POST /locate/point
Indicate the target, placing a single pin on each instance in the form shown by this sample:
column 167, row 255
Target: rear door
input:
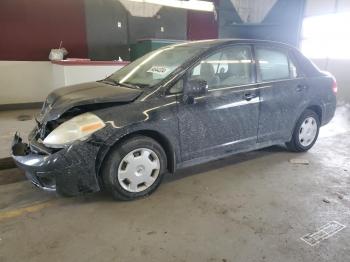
column 283, row 92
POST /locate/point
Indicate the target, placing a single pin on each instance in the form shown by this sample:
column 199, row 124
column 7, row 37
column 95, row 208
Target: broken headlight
column 77, row 128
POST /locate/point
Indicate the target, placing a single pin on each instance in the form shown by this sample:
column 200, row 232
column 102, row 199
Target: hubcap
column 308, row 131
column 138, row 170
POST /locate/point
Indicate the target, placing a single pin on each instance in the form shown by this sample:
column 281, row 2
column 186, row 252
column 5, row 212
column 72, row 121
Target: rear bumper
column 328, row 112
column 69, row 171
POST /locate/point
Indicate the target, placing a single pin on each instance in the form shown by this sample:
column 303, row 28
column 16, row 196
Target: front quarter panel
column 158, row 115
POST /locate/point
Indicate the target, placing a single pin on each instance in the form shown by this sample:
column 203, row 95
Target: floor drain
column 24, row 117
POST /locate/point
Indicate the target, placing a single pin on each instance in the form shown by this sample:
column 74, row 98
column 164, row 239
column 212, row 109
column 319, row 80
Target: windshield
column 152, row 68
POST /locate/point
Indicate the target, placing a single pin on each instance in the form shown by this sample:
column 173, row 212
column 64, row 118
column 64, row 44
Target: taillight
column 334, row 86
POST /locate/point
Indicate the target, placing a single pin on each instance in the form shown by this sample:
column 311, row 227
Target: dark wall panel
column 29, row 29
column 106, row 40
column 287, row 16
column 172, row 20
column 201, row 25
column 228, row 17
column 282, row 23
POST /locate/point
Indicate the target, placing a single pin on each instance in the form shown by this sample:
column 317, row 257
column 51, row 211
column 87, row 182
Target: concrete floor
column 249, row 207
column 21, row 121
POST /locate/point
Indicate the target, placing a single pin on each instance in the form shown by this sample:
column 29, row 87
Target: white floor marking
column 323, row 233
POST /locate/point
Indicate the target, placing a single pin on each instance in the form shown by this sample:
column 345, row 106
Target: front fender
column 157, row 119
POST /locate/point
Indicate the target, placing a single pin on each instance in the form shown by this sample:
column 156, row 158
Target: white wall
column 29, row 82
column 322, row 7
column 24, row 82
column 71, row 75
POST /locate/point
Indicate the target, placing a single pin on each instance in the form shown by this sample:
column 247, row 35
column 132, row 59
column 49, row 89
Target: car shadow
column 103, row 196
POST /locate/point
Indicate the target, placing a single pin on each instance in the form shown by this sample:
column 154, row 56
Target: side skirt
column 202, row 160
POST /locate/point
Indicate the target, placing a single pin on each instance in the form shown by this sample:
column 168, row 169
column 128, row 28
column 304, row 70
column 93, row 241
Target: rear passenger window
column 274, row 65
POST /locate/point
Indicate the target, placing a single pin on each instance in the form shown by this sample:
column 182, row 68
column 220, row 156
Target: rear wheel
column 305, row 132
column 134, row 168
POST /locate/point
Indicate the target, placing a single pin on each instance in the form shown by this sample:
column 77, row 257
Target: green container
column 144, row 46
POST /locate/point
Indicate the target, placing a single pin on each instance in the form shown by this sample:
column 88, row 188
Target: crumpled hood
column 65, row 98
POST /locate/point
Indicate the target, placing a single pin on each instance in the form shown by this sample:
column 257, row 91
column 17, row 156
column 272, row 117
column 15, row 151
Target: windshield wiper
column 110, row 80
column 128, row 85
column 141, row 85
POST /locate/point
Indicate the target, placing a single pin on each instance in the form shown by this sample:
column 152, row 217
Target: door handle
column 301, row 87
column 249, row 96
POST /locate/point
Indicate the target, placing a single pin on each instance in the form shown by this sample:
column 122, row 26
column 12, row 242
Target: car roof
column 222, row 42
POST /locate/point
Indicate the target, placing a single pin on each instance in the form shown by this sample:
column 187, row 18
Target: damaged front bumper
column 69, row 171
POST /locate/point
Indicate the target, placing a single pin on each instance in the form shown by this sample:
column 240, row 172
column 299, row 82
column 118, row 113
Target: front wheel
column 134, row 168
column 305, row 132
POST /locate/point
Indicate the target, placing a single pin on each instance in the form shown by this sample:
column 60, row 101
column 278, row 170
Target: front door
column 226, row 118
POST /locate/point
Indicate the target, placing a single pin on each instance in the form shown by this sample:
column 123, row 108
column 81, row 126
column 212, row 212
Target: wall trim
column 21, row 106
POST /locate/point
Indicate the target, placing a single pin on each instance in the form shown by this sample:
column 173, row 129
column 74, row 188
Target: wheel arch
column 157, row 136
column 291, row 143
column 314, row 107
column 317, row 109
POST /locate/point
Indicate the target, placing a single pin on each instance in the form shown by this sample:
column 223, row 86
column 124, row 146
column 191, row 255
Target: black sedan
column 177, row 106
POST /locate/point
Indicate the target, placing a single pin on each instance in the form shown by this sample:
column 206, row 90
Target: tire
column 126, row 166
column 299, row 143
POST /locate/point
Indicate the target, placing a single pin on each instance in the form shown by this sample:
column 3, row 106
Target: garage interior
column 254, row 206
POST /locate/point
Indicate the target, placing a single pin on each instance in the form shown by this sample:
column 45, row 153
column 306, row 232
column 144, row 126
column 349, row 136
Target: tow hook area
column 19, row 148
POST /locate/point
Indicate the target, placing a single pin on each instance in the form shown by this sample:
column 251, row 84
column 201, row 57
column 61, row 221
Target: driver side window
column 230, row 66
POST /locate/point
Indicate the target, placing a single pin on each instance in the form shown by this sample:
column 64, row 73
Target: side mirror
column 194, row 88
